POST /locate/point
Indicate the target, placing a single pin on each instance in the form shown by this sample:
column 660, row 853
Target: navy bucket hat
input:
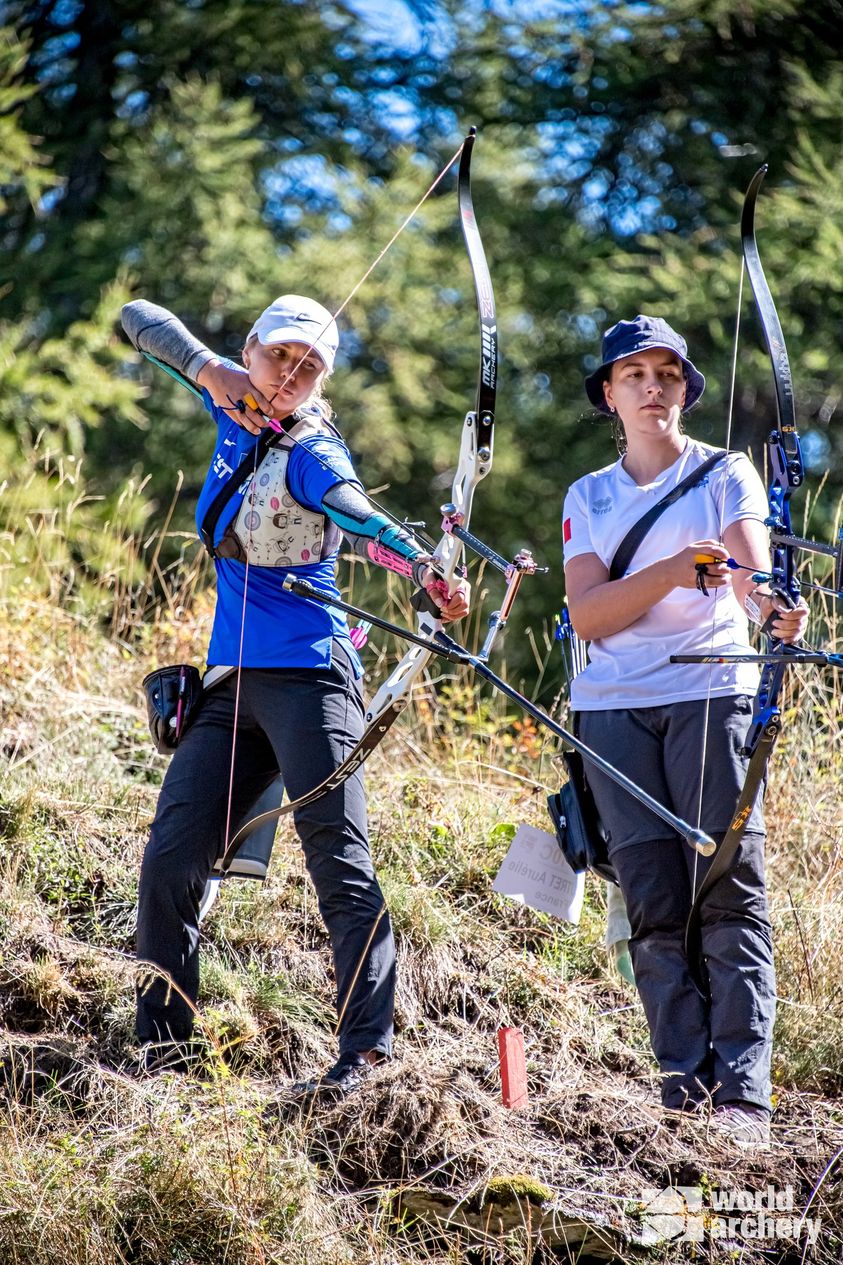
column 628, row 337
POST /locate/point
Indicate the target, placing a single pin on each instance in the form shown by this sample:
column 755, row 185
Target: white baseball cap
column 292, row 318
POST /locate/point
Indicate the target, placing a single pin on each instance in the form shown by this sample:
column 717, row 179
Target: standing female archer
column 292, row 699
column 678, row 729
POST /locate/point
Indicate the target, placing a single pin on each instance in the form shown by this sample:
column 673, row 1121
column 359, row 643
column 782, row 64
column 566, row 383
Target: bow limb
column 770, row 323
column 785, row 462
column 784, row 450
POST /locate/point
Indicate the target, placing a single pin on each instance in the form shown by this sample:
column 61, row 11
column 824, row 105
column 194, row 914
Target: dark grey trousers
column 718, row 1045
column 303, row 721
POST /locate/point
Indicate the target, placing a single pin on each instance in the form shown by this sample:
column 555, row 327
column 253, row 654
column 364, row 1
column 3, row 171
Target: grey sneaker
column 743, row 1122
column 350, row 1071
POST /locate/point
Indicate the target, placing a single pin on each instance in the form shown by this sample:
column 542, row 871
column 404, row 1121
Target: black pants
column 721, row 1044
column 303, row 721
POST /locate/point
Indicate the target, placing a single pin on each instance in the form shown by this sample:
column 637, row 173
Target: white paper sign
column 535, row 872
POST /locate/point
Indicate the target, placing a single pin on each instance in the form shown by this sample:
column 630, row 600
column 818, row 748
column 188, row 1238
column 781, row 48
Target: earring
column 611, row 408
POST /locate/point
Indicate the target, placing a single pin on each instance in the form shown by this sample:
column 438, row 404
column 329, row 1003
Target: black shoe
column 350, row 1071
column 170, row 1056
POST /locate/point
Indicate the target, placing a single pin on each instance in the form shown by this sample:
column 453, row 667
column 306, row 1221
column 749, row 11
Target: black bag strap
column 631, row 542
column 267, row 439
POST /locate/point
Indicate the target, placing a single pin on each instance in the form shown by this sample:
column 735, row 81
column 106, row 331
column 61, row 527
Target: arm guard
column 372, row 535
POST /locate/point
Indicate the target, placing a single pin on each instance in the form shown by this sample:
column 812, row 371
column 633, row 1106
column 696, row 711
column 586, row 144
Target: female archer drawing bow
column 292, row 699
column 310, row 494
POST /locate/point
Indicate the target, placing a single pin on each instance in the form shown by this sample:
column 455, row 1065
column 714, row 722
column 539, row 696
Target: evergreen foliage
column 209, row 156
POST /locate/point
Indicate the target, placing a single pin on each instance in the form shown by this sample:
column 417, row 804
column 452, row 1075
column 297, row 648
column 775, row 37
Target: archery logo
column 681, row 1214
column 741, row 818
column 674, row 1215
column 489, row 351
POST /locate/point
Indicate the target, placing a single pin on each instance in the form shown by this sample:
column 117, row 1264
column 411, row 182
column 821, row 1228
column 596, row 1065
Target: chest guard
column 271, row 529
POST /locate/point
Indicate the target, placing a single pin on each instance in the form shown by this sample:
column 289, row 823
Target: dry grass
column 102, row 1166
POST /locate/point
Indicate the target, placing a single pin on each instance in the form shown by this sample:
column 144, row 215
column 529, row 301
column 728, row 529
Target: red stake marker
column 513, row 1067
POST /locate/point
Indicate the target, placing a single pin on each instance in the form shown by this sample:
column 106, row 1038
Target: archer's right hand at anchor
column 231, row 389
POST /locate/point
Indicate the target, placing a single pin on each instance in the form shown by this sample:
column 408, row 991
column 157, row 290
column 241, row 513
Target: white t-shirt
column 632, row 668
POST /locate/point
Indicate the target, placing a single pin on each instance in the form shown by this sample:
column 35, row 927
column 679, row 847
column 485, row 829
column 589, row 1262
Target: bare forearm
column 615, row 604
column 748, row 543
column 600, row 607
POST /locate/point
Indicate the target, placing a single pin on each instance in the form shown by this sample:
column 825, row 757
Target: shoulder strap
column 631, row 542
column 267, row 439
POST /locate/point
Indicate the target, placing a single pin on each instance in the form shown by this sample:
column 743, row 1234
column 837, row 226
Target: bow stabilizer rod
column 444, row 646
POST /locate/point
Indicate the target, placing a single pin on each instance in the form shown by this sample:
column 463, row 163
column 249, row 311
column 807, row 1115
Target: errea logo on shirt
column 602, row 505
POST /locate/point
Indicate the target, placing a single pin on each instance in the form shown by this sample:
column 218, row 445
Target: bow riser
column 448, row 554
column 475, row 462
column 394, row 692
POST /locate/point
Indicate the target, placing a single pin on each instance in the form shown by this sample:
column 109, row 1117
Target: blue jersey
column 279, row 630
